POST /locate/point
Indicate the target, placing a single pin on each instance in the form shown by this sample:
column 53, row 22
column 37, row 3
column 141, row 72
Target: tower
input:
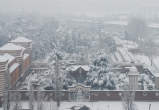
column 133, row 78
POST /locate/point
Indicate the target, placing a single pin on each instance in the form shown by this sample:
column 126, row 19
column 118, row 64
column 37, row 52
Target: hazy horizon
column 89, row 7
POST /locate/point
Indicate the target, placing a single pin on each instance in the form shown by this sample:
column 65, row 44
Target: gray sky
column 73, row 6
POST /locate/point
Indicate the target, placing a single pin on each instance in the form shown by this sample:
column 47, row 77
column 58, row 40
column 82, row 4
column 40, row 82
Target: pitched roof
column 21, row 39
column 75, row 67
column 11, row 46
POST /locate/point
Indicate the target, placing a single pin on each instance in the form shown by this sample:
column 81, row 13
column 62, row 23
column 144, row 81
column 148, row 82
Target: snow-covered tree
column 99, row 76
column 145, row 82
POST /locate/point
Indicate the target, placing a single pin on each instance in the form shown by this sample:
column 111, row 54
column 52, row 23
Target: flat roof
column 11, row 46
column 9, row 57
column 21, row 39
column 3, row 59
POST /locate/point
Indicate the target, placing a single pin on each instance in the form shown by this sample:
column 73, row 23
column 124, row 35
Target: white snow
column 6, row 57
column 124, row 53
column 9, row 57
column 13, row 67
column 118, row 57
column 21, row 39
column 75, row 67
column 113, row 58
column 143, row 59
column 3, row 59
column 125, row 43
column 10, row 46
column 101, row 105
column 109, row 105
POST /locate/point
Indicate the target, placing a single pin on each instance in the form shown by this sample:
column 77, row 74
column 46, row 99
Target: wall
column 94, row 95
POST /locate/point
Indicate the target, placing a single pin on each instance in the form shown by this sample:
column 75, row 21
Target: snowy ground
column 110, row 105
column 105, row 105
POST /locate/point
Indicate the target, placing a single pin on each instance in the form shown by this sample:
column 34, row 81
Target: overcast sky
column 73, row 6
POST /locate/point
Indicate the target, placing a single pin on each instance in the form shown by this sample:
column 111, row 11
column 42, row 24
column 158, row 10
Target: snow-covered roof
column 93, row 105
column 75, row 67
column 6, row 57
column 141, row 58
column 13, row 67
column 133, row 71
column 125, row 43
column 79, row 85
column 21, row 39
column 11, row 46
column 9, row 57
column 3, row 59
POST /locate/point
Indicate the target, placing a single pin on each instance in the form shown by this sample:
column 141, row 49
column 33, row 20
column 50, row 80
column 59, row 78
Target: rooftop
column 10, row 46
column 21, row 39
column 75, row 67
column 3, row 59
column 9, row 57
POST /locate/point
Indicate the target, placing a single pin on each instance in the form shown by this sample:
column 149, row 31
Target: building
column 78, row 72
column 15, row 60
column 24, row 42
